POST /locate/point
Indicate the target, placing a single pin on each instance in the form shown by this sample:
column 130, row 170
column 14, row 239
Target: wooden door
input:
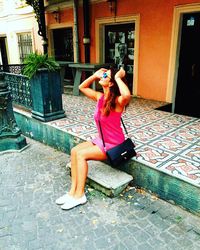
column 187, row 101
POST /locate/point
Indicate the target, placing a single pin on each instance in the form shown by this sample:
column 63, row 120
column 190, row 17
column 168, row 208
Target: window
column 25, row 45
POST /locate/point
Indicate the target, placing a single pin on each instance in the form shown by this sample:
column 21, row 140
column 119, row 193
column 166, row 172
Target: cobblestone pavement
column 30, row 182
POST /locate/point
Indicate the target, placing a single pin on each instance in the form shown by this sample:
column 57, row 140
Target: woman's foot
column 63, row 199
column 73, row 202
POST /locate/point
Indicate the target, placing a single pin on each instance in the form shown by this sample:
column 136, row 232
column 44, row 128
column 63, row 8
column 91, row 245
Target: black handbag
column 120, row 153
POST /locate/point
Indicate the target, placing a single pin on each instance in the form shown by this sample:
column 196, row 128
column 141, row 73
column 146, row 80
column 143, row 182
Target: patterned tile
column 194, row 126
column 193, row 153
column 143, row 119
column 186, row 134
column 152, row 157
column 89, row 136
column 137, row 144
column 184, row 169
column 160, row 127
column 145, row 104
column 167, row 143
column 62, row 123
column 143, row 135
column 130, row 113
column 154, row 115
column 177, row 120
column 137, row 122
column 82, row 118
column 78, row 129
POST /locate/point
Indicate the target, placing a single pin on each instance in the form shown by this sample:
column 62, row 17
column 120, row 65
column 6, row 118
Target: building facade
column 156, row 41
column 18, row 32
column 160, row 40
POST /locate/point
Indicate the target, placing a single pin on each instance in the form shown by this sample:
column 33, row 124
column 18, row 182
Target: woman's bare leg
column 89, row 152
column 74, row 166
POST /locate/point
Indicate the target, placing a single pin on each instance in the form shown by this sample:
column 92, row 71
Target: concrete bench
column 106, row 179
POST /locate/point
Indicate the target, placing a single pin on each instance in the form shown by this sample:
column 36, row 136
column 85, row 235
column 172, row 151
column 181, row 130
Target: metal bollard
column 11, row 137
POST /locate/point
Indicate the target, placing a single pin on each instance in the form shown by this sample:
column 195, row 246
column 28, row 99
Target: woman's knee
column 78, row 152
column 74, row 151
column 81, row 155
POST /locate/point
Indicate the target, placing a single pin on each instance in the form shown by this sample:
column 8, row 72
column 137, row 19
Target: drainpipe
column 86, row 37
column 75, row 2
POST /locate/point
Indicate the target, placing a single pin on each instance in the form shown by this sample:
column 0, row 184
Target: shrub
column 35, row 61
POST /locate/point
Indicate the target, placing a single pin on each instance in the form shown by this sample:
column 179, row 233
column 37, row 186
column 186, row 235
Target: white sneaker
column 63, row 199
column 71, row 203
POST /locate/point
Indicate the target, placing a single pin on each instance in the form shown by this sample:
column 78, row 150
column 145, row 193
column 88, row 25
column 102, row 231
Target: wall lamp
column 112, row 6
column 56, row 15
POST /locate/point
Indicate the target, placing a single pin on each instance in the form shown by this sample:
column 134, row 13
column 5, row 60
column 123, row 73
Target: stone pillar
column 10, row 135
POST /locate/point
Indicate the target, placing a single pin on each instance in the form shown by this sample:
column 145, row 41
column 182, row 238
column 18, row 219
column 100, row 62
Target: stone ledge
column 106, row 179
column 166, row 186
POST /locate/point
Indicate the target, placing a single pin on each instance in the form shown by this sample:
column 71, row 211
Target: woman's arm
column 125, row 94
column 84, row 87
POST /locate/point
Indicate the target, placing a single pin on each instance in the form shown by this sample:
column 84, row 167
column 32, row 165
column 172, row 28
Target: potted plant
column 44, row 75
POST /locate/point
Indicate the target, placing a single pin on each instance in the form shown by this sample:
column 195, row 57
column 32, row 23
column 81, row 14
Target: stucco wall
column 155, row 33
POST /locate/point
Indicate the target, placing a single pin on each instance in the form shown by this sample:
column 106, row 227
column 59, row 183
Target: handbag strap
column 102, row 131
column 124, row 127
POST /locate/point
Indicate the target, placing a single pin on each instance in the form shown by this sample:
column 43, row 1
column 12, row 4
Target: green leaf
column 35, row 61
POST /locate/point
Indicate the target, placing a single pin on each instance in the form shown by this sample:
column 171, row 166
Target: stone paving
column 31, row 180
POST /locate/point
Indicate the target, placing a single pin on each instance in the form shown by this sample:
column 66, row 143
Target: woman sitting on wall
column 110, row 106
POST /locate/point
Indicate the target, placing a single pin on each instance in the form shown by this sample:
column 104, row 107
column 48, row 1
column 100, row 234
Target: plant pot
column 47, row 96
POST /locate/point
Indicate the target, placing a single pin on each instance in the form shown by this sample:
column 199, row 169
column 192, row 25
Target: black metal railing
column 12, row 68
column 20, row 89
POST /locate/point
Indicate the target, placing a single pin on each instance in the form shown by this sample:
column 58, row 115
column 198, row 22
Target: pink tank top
column 111, row 127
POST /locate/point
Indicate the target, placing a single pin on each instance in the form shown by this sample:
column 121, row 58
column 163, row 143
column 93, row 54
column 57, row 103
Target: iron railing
column 20, row 89
column 12, row 68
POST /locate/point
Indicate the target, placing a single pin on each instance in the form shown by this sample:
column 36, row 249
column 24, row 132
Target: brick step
column 106, row 179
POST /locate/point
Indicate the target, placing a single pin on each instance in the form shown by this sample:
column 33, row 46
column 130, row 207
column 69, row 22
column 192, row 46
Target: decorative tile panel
column 143, row 135
column 160, row 127
column 193, row 153
column 184, row 169
column 168, row 143
column 153, row 157
column 165, row 141
column 186, row 134
column 78, row 129
column 62, row 123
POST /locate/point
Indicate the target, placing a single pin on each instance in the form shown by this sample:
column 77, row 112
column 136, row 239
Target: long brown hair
column 110, row 102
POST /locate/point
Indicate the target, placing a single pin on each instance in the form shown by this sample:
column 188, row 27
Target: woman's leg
column 74, row 167
column 80, row 155
column 85, row 153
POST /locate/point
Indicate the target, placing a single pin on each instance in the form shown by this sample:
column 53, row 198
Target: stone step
column 68, row 89
column 106, row 179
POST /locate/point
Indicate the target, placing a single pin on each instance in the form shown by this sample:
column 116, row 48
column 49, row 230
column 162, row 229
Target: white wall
column 18, row 20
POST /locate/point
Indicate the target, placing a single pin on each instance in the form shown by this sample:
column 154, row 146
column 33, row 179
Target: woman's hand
column 120, row 74
column 98, row 74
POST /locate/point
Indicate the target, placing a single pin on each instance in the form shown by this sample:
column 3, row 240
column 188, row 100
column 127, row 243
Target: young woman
column 110, row 105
